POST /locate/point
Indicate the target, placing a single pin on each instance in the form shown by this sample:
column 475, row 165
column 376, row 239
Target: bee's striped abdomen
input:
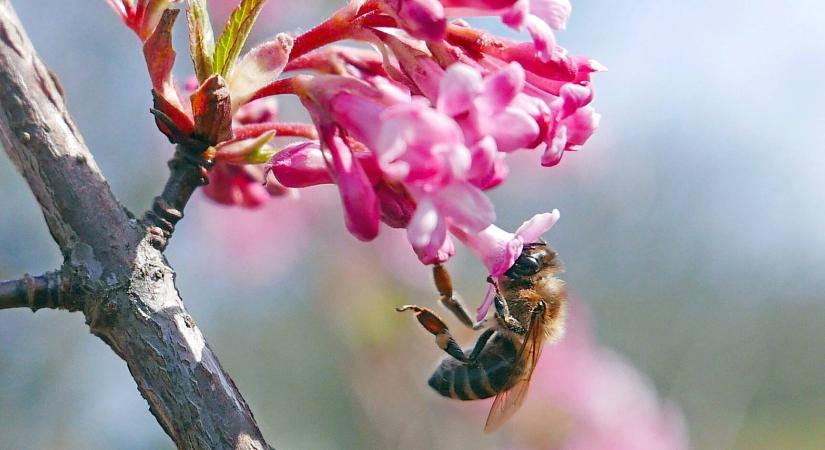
column 484, row 378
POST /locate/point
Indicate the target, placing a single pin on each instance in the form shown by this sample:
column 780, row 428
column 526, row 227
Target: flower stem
column 344, row 24
column 281, row 129
column 280, row 87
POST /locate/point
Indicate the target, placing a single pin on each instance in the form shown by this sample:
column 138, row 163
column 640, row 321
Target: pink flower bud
column 360, row 202
column 423, row 19
column 300, row 165
column 236, row 185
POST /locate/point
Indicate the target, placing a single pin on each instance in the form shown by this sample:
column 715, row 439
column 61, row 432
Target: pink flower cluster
column 412, row 131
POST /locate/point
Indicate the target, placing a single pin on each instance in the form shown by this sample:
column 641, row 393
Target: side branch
column 188, row 170
column 50, row 290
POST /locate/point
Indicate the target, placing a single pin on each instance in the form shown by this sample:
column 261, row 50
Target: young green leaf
column 201, row 39
column 234, row 35
column 247, row 151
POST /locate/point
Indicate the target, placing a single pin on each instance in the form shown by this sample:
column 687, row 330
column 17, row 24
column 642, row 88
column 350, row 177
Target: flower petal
column 481, row 312
column 513, row 129
column 531, row 230
column 360, row 203
column 544, row 40
column 423, row 19
column 501, row 88
column 460, row 85
column 580, row 126
column 427, row 232
column 466, row 206
column 554, row 12
column 555, row 147
column 300, row 165
column 496, row 248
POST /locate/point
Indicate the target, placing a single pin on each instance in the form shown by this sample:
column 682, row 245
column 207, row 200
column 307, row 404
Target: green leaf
column 235, row 33
column 201, row 39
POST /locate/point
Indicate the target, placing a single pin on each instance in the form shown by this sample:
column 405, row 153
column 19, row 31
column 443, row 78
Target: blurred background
column 691, row 231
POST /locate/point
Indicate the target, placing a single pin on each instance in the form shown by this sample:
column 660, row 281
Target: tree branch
column 122, row 282
column 50, row 290
column 188, row 170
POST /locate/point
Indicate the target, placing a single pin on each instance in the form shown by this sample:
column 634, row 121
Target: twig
column 188, row 170
column 50, row 290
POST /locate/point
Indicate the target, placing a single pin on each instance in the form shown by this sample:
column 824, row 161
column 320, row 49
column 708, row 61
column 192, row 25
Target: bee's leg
column 503, row 310
column 438, row 328
column 480, row 343
column 450, row 298
column 443, row 338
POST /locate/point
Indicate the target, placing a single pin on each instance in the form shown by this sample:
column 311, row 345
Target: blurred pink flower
column 607, row 403
column 234, row 185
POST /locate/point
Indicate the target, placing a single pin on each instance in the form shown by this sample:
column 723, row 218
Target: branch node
column 50, row 290
column 189, row 169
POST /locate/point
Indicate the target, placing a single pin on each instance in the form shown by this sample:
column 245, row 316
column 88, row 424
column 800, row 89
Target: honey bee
column 529, row 305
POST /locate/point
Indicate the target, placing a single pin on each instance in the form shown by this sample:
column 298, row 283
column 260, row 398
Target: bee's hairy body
column 498, row 366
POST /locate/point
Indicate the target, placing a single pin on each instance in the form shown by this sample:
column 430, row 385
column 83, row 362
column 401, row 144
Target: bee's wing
column 508, row 402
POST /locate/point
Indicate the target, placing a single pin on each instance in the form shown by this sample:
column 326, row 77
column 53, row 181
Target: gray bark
column 112, row 272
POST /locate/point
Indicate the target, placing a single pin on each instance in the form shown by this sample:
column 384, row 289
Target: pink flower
column 303, row 164
column 240, row 186
column 498, row 249
column 416, row 148
column 572, row 123
column 423, row 19
column 360, row 202
column 425, row 150
column 413, row 134
column 487, row 107
column 541, row 18
column 459, row 205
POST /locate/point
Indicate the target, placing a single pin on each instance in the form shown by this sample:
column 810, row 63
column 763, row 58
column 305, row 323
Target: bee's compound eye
column 525, row 265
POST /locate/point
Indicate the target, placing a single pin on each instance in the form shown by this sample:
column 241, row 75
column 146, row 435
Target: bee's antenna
column 492, row 281
column 540, row 242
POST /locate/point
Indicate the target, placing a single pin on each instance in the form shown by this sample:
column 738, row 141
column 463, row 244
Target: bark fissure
column 113, row 269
